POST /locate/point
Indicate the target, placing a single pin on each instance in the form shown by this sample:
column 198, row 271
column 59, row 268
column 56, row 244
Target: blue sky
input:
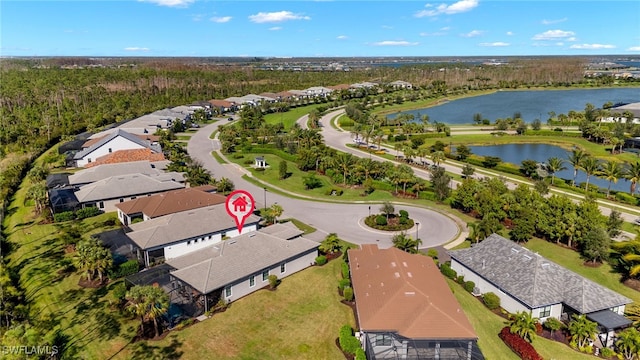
column 318, row 28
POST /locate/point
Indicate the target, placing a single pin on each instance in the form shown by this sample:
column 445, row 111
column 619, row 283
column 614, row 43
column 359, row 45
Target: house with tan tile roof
column 124, row 156
column 223, row 106
column 169, row 202
column 405, row 309
column 181, row 233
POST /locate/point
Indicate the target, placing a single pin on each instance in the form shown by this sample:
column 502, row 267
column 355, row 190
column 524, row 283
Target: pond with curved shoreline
column 531, row 104
column 516, row 153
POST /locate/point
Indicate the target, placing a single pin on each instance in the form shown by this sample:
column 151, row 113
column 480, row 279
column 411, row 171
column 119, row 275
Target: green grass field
column 300, row 320
column 290, row 117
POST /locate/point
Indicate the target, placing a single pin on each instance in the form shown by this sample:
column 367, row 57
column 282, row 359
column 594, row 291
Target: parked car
column 230, row 118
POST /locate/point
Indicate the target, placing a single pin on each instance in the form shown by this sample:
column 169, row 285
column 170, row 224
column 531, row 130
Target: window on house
column 383, row 340
column 133, row 198
column 101, row 205
column 282, row 268
column 121, row 200
column 188, row 242
column 545, row 312
column 227, row 291
column 265, row 275
column 252, row 281
column 615, row 309
column 110, row 150
column 89, row 160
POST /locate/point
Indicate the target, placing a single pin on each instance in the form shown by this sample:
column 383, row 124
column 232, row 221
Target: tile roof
column 404, row 293
column 533, row 279
column 122, row 156
column 170, row 202
column 286, row 230
column 127, row 185
column 105, row 139
column 221, row 103
column 183, row 225
column 230, row 260
column 96, row 173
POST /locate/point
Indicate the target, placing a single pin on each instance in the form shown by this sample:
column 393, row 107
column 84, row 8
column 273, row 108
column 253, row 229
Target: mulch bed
column 632, row 283
column 592, row 264
column 559, row 336
column 93, row 284
column 150, row 333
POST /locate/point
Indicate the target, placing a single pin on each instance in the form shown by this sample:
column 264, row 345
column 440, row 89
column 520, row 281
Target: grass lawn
column 488, row 325
column 294, row 182
column 290, row 117
column 603, row 275
column 300, row 320
column 218, row 158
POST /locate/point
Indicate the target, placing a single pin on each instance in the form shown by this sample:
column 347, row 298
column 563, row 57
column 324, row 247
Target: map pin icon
column 240, row 205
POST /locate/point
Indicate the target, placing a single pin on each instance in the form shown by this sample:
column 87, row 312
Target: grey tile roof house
column 118, row 133
column 242, row 264
column 96, row 173
column 526, row 281
column 184, row 232
column 116, row 189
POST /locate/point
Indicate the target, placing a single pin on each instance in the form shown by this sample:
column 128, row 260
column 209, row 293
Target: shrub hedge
column 518, row 345
column 345, row 270
column 343, row 283
column 127, row 268
column 348, row 293
column 469, row 286
column 447, row 271
column 491, row 300
column 321, row 260
column 349, row 343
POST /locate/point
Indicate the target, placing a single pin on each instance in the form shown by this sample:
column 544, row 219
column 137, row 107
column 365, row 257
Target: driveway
column 345, row 219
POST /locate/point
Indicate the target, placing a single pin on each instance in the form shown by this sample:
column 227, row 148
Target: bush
column 119, row 291
column 273, row 281
column 345, row 270
column 469, row 286
column 447, row 271
column 626, row 198
column 87, row 212
column 404, row 214
column 606, row 353
column 348, row 293
column 518, row 345
column 321, row 260
column 360, row 354
column 64, row 216
column 334, row 192
column 381, row 220
column 552, row 324
column 432, row 253
column 344, row 283
column 491, row 300
column 348, row 343
column 460, row 279
column 127, row 268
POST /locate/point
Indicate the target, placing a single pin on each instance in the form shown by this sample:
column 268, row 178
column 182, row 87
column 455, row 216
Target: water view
column 531, row 104
column 516, row 153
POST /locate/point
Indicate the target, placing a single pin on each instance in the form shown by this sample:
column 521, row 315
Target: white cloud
column 135, row 48
column 278, row 16
column 472, row 33
column 395, row 43
column 455, row 8
column 387, row 27
column 170, row 3
column 634, row 48
column 555, row 35
column 441, row 32
column 275, row 28
column 591, row 46
column 341, row 37
column 509, row 33
column 551, row 22
column 221, row 19
column 495, row 44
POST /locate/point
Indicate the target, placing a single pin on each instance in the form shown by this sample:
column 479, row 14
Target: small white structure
column 260, row 163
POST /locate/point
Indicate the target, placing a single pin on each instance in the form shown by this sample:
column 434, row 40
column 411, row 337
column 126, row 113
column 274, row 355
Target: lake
column 516, row 153
column 531, row 104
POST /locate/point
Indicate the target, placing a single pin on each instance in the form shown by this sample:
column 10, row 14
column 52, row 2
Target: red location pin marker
column 240, row 205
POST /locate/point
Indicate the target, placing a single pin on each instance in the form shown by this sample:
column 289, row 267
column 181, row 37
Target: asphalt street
column 345, row 219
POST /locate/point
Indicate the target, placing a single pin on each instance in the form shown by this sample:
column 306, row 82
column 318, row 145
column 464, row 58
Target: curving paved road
column 345, row 219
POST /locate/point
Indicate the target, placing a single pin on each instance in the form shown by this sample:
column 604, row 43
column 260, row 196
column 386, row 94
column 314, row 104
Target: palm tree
column 629, row 254
column 437, row 157
column 576, row 158
column 330, row 244
column 632, row 173
column 523, row 325
column 555, row 165
column 590, row 165
column 405, row 243
column 225, row 185
column 611, row 171
column 344, row 162
column 136, row 303
column 38, row 193
column 628, row 343
column 275, row 211
column 582, row 330
column 157, row 304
